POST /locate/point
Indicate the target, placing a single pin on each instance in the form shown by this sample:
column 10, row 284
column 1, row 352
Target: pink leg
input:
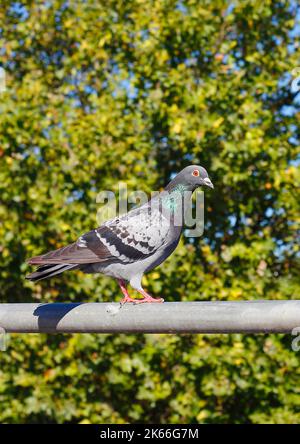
column 148, row 298
column 126, row 297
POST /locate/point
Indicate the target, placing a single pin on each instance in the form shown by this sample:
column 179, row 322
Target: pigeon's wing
column 134, row 236
column 86, row 250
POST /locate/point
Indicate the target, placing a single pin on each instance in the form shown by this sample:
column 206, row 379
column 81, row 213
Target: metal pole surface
column 170, row 317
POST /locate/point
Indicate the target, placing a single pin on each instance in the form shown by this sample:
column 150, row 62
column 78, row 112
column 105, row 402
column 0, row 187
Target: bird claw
column 148, row 300
column 127, row 299
column 147, row 297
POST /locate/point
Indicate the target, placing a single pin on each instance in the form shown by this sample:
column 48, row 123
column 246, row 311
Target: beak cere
column 208, row 182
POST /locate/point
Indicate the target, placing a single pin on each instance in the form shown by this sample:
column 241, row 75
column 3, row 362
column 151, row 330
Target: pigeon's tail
column 48, row 270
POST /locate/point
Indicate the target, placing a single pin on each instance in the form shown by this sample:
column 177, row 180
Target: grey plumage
column 129, row 245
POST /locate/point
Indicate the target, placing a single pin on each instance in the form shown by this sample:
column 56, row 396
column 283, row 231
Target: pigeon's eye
column 196, row 173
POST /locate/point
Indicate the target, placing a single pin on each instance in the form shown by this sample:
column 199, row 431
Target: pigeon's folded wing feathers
column 125, row 239
column 74, row 253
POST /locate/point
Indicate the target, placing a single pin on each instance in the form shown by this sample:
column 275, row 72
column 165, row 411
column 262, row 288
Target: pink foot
column 126, row 297
column 148, row 298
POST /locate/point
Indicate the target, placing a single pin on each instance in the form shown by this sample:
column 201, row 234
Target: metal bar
column 171, row 317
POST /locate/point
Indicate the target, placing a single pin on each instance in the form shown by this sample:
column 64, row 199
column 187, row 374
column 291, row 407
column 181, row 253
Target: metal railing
column 257, row 316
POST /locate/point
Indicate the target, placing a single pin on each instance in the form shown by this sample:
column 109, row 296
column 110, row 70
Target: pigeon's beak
column 208, row 182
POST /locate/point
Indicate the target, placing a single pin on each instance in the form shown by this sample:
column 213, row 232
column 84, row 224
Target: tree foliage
column 112, row 90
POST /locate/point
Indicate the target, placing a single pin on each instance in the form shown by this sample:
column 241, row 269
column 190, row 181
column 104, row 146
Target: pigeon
column 131, row 244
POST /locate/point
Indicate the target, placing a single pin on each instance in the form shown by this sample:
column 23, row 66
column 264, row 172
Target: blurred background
column 104, row 91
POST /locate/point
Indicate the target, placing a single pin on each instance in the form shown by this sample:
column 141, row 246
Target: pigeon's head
column 192, row 177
